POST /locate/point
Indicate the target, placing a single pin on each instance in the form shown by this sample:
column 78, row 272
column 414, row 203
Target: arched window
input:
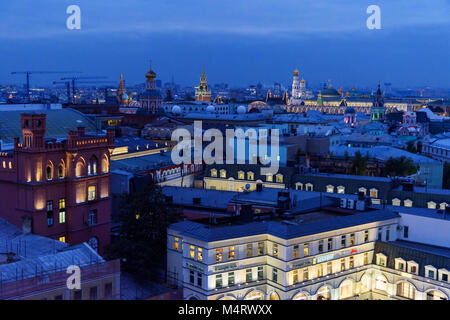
column 92, row 166
column 436, row 295
column 105, row 164
column 431, row 205
column 61, row 171
column 93, row 243
column 406, row 290
column 49, row 171
column 300, row 296
column 324, row 293
column 346, row 289
column 80, row 168
column 380, row 283
column 274, row 296
column 254, row 295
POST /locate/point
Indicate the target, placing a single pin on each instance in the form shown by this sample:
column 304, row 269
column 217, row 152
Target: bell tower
column 33, row 130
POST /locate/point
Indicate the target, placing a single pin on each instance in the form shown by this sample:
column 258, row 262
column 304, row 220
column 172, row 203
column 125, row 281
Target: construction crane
column 75, row 79
column 28, row 73
column 67, row 83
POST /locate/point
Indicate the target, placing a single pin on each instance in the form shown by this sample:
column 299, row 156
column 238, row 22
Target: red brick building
column 58, row 188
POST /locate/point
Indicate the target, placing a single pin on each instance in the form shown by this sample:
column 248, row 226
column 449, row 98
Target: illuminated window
column 351, row 262
column 260, row 248
column 366, row 258
column 431, row 205
column 342, row 264
column 231, row 253
column 299, row 186
column 62, row 216
column 309, row 187
column 443, row 205
column 305, row 249
column 275, row 250
column 352, row 239
column 241, row 175
column 175, row 243
column 223, row 173
column 192, row 252
column 296, row 252
column 269, row 178
column 91, row 193
column 295, row 276
column 10, row 164
column 396, row 202
column 219, row 255
column 250, row 175
column 62, row 239
column 249, row 252
column 305, row 274
column 343, row 241
column 406, row 290
column 4, row 164
column 279, row 178
column 330, row 188
column 213, row 173
column 199, row 254
column 340, row 189
column 373, row 193
column 408, row 203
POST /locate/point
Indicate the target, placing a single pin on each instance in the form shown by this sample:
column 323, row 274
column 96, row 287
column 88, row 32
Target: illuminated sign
column 301, row 264
column 325, row 257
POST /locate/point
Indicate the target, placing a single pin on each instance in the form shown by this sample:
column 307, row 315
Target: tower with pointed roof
column 151, row 98
column 122, row 97
column 202, row 92
column 378, row 110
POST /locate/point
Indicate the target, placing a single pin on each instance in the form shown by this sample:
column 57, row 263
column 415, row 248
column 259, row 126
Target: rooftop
column 316, row 222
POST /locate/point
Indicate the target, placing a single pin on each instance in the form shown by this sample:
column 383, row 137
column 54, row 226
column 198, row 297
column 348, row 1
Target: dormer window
column 431, row 205
column 213, row 173
column 396, row 202
column 373, row 193
column 381, row 259
column 400, row 264
column 279, row 178
column 241, row 175
column 430, row 272
column 341, row 189
column 250, row 175
column 408, row 203
column 223, row 173
column 413, row 267
column 330, row 188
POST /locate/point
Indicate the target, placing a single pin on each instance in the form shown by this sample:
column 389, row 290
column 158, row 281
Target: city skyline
column 238, row 44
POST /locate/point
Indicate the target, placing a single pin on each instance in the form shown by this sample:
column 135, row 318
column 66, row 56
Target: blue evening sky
column 241, row 42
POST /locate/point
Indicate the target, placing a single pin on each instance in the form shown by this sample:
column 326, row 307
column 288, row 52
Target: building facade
column 60, row 186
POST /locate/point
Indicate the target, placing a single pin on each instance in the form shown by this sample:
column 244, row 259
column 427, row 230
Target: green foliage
column 399, row 167
column 141, row 243
column 411, row 147
column 359, row 164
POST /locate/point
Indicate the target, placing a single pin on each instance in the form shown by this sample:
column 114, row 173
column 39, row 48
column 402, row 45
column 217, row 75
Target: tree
column 446, row 178
column 401, row 166
column 359, row 164
column 142, row 241
column 411, row 147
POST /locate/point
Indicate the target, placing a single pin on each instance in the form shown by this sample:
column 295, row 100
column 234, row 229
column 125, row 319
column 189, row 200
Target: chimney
column 26, row 224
